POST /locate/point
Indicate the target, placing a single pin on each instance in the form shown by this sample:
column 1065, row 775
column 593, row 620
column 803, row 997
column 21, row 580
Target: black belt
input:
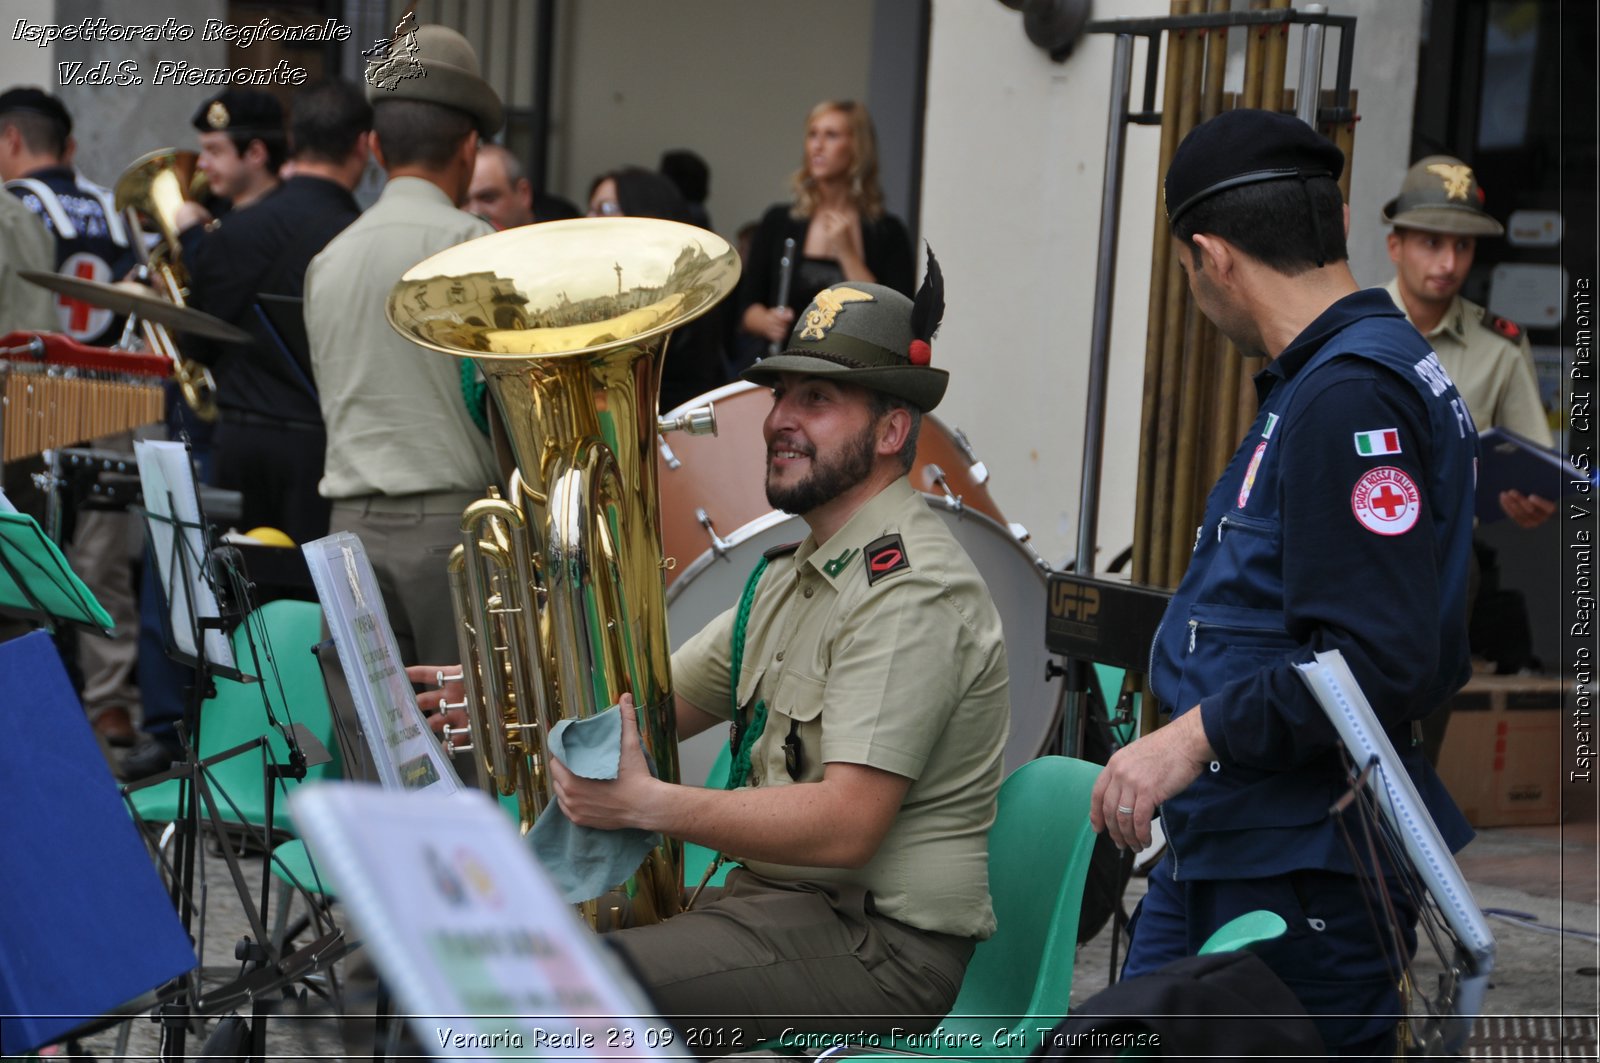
column 256, row 420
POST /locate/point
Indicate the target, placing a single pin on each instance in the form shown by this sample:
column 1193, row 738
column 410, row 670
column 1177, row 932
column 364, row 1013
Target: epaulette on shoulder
column 781, row 550
column 1506, row 328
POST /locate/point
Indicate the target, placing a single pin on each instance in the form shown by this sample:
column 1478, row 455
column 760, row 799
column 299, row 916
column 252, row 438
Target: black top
column 263, row 248
column 885, row 245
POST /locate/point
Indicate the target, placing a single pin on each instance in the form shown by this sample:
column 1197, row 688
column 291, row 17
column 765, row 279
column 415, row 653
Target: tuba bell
column 151, row 190
column 559, row 587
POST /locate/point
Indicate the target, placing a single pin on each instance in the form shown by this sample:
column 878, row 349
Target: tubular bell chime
column 1198, row 396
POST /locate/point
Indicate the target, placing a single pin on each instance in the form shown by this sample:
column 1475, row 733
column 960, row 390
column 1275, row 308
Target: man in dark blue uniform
column 1343, row 522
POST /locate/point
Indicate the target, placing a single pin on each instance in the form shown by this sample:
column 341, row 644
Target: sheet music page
column 407, row 755
column 170, row 496
column 484, row 957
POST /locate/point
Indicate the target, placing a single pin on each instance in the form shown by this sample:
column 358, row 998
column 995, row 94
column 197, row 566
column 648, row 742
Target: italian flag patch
column 1378, row 442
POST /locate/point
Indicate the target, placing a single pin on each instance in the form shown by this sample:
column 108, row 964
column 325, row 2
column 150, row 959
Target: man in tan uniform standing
column 1437, row 220
column 407, row 451
column 24, row 244
column 865, row 678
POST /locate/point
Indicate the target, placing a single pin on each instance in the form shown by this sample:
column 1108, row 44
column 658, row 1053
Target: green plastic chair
column 1245, row 931
column 235, row 716
column 1021, row 978
column 1039, row 850
column 696, row 858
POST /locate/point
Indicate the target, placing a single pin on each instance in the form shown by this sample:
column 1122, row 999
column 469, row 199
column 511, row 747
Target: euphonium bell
column 559, row 591
column 153, row 187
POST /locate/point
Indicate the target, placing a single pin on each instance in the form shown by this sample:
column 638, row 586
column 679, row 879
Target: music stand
column 87, row 926
column 194, row 625
column 37, row 584
column 1342, row 700
column 283, row 318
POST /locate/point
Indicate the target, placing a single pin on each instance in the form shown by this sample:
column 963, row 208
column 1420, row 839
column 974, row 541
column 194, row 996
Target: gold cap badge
column 1457, row 179
column 217, row 115
column 826, row 307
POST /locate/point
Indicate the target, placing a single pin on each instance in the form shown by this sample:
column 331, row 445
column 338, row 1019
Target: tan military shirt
column 1493, row 372
column 24, row 244
column 905, row 672
column 397, row 423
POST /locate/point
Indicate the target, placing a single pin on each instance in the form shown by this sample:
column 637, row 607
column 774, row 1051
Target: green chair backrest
column 696, row 858
column 1039, row 852
column 1245, row 931
column 284, row 631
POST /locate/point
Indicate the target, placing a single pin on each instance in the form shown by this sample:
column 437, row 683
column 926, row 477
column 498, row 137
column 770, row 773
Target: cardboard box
column 1501, row 758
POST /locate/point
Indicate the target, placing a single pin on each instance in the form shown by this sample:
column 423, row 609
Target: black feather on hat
column 927, row 311
column 870, row 335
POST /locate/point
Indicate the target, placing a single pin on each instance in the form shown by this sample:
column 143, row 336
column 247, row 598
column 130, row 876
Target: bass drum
column 711, row 486
column 712, row 584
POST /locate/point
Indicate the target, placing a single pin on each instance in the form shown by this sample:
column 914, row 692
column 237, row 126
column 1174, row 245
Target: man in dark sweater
column 270, row 438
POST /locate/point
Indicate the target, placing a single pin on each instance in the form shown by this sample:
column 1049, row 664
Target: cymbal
column 127, row 297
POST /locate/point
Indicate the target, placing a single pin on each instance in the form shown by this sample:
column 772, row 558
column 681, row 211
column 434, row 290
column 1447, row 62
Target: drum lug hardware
column 672, row 460
column 719, row 545
column 935, row 478
column 980, row 471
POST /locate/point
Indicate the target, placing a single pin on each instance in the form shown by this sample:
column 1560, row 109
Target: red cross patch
column 78, row 319
column 1386, row 501
column 885, row 557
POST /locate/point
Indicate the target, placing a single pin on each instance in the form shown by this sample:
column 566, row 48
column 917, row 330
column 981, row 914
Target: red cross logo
column 80, row 310
column 1387, row 501
column 80, row 320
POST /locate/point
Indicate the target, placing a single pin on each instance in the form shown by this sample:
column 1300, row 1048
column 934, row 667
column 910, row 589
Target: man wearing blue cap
column 1343, row 522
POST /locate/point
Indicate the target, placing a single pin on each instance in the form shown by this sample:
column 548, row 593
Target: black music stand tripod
column 264, row 971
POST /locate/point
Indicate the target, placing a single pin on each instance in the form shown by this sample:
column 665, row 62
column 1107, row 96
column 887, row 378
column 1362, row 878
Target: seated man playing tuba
column 864, row 674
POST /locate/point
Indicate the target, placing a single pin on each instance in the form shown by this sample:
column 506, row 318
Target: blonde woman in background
column 837, row 221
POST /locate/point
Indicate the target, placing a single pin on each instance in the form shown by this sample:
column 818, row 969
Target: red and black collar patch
column 885, row 557
column 1508, row 329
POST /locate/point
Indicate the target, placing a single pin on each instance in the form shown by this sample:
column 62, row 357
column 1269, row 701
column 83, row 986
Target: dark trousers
column 276, row 468
column 765, row 960
column 1332, row 957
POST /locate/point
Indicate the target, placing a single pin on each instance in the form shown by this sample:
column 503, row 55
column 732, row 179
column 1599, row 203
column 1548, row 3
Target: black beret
column 241, row 112
column 38, row 102
column 1245, row 147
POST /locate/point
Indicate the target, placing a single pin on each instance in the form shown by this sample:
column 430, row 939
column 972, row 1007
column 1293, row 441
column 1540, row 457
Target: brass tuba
column 559, row 587
column 152, row 188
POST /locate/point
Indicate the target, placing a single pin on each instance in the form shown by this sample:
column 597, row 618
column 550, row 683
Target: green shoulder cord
column 745, row 734
column 474, row 392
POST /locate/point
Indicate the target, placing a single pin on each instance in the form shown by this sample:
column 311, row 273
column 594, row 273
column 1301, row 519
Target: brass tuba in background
column 559, row 588
column 153, row 187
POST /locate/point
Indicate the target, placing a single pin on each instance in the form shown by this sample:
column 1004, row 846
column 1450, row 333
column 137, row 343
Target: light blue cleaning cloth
column 584, row 862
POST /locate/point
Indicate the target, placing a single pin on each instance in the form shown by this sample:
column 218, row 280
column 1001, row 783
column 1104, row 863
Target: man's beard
column 827, row 480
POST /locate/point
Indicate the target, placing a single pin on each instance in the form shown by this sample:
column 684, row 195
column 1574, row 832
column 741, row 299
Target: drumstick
column 785, row 276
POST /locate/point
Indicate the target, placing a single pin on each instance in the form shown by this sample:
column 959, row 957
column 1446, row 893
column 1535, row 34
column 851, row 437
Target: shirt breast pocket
column 1248, row 569
column 792, row 742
